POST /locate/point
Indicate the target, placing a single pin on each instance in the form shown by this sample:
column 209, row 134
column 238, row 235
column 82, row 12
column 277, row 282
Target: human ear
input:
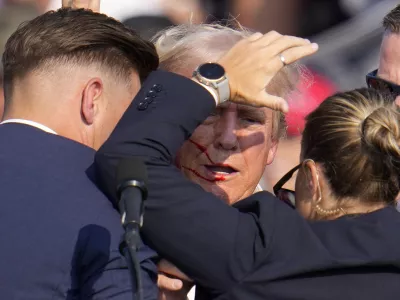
column 90, row 95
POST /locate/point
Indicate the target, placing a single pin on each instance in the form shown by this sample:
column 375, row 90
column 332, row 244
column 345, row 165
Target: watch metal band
column 223, row 90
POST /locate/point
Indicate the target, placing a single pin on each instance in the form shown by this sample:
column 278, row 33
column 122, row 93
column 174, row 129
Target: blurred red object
column 306, row 99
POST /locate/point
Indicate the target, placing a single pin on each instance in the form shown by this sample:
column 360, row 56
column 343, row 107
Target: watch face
column 211, row 71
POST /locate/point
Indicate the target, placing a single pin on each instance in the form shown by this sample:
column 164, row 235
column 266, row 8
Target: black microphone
column 132, row 191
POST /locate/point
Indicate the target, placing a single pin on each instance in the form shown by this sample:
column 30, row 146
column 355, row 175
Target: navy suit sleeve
column 209, row 240
column 102, row 273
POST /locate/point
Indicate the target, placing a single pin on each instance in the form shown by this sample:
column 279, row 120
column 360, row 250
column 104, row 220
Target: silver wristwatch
column 213, row 75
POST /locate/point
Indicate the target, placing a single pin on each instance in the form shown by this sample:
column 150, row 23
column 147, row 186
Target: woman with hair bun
column 350, row 157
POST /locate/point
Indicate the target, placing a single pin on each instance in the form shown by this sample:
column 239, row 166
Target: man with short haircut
column 69, row 75
column 387, row 76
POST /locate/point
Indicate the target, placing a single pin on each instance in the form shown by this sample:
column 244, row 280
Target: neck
column 23, row 115
column 53, row 101
column 347, row 207
column 63, row 123
column 360, row 208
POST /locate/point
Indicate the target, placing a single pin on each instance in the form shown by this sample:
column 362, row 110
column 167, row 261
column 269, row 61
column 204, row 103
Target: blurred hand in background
column 87, row 4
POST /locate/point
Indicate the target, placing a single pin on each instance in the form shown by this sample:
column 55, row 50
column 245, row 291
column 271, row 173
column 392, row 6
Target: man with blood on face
column 227, row 154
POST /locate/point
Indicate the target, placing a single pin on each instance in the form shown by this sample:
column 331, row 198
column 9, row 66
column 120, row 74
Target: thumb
column 272, row 102
column 169, row 284
column 168, row 268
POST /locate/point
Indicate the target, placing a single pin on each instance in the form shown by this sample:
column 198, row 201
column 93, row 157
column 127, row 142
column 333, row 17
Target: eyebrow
column 254, row 111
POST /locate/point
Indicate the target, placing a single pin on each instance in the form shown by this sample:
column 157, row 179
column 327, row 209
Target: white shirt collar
column 30, row 123
column 258, row 188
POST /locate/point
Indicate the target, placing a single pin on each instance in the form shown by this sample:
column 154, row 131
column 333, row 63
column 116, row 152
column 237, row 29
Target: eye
column 251, row 117
column 251, row 121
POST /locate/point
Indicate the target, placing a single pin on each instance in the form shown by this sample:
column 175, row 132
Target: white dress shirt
column 30, row 123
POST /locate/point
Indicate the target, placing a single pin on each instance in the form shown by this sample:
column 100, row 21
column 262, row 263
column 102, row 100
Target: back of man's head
column 391, row 22
column 75, row 37
column 55, row 47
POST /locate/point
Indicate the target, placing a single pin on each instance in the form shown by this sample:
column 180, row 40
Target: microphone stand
column 128, row 248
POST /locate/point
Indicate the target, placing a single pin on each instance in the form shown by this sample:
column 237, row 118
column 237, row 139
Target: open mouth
column 221, row 169
column 215, row 173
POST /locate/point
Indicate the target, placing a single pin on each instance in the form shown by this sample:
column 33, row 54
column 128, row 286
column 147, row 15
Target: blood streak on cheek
column 204, row 150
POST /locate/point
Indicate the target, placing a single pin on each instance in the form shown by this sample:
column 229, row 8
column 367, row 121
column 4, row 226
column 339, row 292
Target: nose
column 226, row 132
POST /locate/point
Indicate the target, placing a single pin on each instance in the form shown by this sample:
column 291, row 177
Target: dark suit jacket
column 260, row 249
column 59, row 234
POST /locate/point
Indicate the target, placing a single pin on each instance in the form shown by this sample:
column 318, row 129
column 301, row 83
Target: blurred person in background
column 258, row 15
column 150, row 16
column 387, row 77
column 40, row 6
column 350, row 48
column 255, row 14
column 266, row 15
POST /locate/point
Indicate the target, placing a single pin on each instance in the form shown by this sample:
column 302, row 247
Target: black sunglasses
column 382, row 85
column 285, row 195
